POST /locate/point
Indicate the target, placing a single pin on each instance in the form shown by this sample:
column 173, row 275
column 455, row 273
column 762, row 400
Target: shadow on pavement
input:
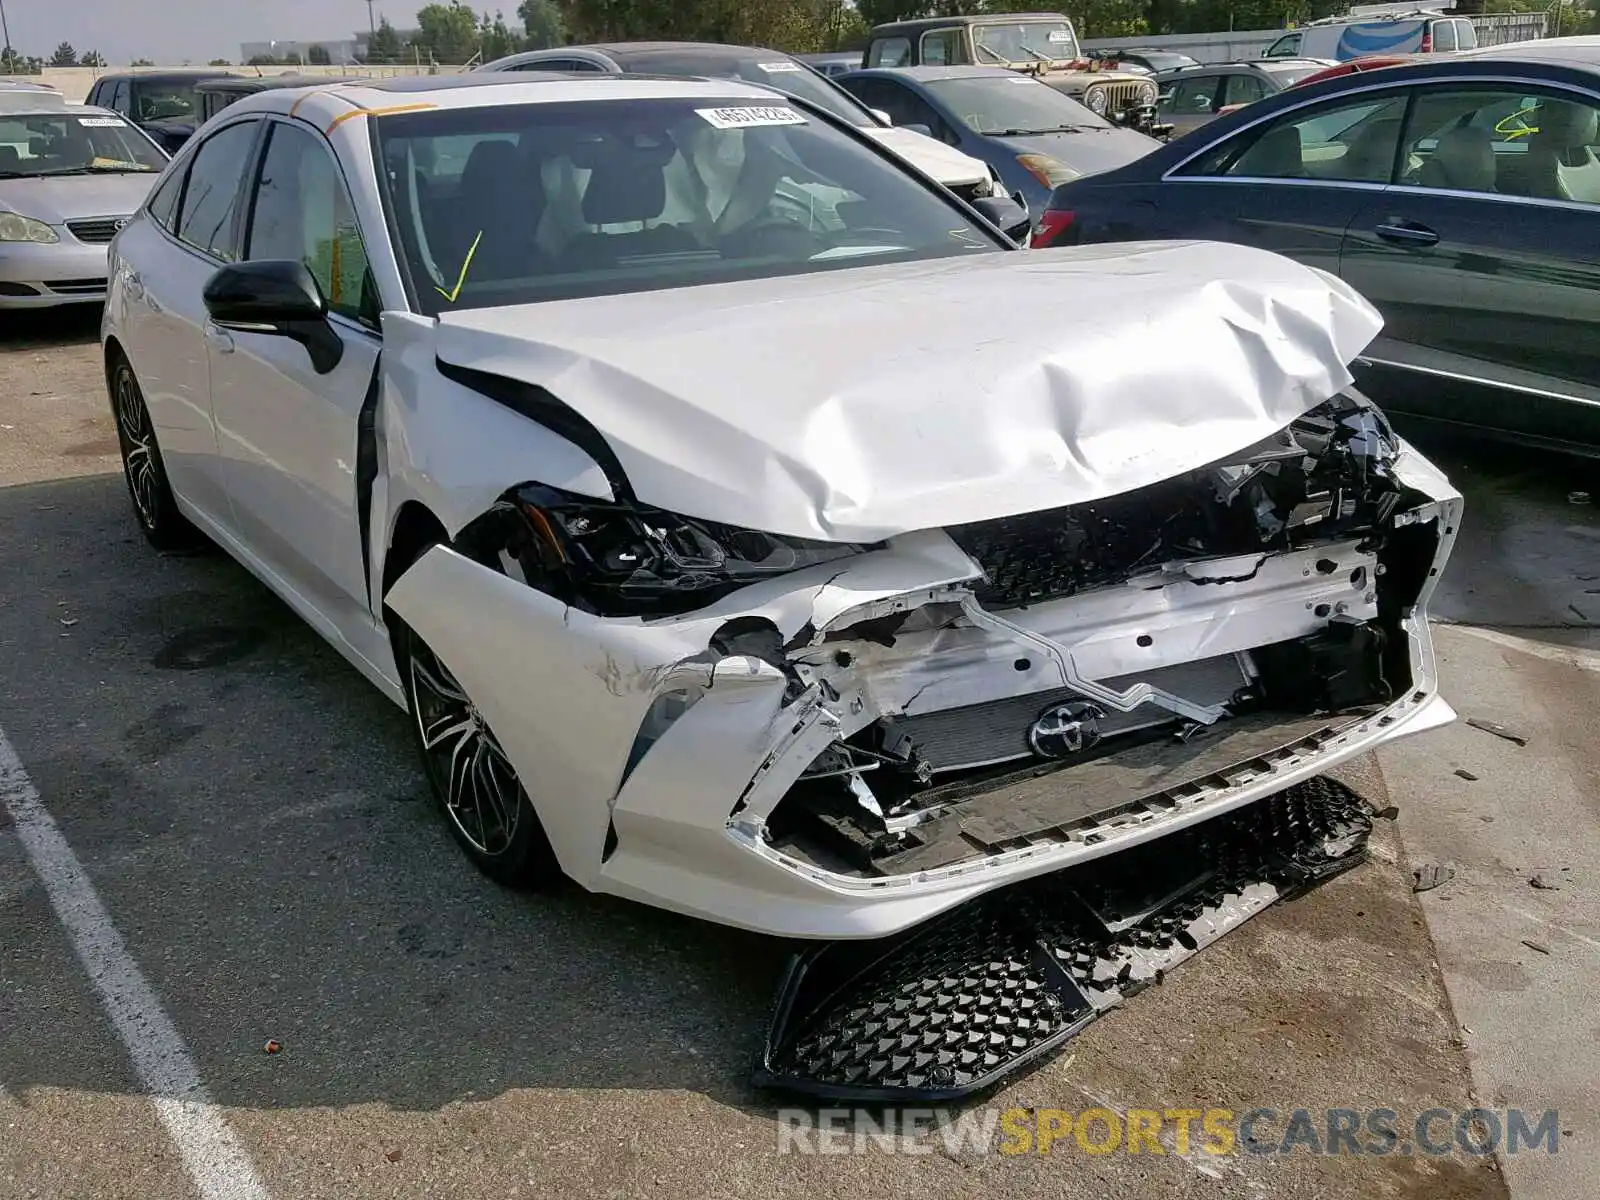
column 44, row 328
column 250, row 811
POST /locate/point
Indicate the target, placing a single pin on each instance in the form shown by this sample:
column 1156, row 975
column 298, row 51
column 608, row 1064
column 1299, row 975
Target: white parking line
column 217, row 1163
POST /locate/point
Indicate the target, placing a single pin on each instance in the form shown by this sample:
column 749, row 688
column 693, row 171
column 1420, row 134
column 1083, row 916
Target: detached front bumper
column 44, row 276
column 674, row 761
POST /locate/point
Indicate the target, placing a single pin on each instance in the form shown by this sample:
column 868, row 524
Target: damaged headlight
column 628, row 560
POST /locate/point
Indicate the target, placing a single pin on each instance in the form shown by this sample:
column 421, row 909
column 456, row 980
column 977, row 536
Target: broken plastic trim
column 957, row 1005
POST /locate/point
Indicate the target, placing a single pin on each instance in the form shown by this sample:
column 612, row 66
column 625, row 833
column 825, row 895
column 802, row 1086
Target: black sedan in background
column 162, row 103
column 1462, row 197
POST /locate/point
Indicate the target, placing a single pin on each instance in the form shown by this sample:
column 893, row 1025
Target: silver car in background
column 70, row 177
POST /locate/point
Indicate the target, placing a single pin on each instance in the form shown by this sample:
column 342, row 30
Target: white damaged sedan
column 748, row 529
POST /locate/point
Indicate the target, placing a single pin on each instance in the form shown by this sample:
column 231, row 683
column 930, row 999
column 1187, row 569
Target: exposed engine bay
column 1087, row 667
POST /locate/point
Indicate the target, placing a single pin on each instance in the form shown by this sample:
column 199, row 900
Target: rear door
column 1484, row 258
column 288, row 434
column 191, row 230
column 1291, row 183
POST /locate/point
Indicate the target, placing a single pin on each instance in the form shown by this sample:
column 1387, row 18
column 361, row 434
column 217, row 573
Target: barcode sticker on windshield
column 770, row 67
column 750, row 118
column 1058, row 36
column 101, row 122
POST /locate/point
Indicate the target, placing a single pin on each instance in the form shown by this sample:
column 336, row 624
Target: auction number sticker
column 770, row 67
column 1059, row 36
column 102, row 122
column 750, row 117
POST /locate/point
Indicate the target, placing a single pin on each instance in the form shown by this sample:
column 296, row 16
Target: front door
column 1484, row 259
column 1293, row 183
column 287, row 434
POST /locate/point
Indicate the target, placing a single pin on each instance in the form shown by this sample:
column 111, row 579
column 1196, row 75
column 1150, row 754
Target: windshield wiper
column 1030, row 132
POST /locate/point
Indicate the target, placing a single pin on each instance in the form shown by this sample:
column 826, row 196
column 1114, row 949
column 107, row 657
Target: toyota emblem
column 1063, row 730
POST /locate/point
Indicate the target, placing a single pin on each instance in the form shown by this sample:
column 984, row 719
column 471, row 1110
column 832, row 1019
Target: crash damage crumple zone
column 1018, row 586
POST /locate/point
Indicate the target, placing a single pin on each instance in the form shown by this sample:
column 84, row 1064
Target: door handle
column 1409, row 233
column 219, row 339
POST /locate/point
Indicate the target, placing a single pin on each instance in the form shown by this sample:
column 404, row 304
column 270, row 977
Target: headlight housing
column 1051, row 172
column 14, row 227
column 1096, row 100
column 619, row 560
column 1148, row 93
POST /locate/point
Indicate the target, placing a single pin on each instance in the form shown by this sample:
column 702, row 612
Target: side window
column 1285, row 47
column 1466, row 35
column 943, row 48
column 905, row 107
column 1195, row 97
column 1504, row 140
column 557, row 64
column 1244, row 89
column 119, row 97
column 1353, row 142
column 1444, row 36
column 890, row 52
column 163, row 205
column 302, row 211
column 210, row 200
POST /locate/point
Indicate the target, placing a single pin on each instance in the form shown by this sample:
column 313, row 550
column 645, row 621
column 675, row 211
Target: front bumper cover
column 959, row 1004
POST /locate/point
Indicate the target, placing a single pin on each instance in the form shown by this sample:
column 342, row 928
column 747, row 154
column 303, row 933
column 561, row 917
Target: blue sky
column 170, row 31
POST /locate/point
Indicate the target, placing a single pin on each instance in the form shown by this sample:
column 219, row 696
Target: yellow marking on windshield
column 375, row 112
column 465, row 267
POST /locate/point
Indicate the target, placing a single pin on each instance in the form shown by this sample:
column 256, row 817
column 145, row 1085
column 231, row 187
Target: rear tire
column 164, row 526
column 488, row 811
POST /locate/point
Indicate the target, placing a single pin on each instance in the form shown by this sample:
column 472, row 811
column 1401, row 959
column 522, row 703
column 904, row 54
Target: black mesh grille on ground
column 958, row 1004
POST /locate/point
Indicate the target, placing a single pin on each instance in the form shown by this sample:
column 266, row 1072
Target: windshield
column 164, row 102
column 1026, row 41
column 1162, row 60
column 74, row 144
column 520, row 203
column 1012, row 105
column 772, row 70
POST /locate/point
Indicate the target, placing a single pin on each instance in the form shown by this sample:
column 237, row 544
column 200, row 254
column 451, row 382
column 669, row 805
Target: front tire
column 485, row 805
column 164, row 526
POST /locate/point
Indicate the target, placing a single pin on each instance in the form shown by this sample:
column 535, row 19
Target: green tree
column 542, row 24
column 448, row 32
column 259, row 60
column 92, row 58
column 318, row 55
column 495, row 38
column 384, row 46
column 218, row 62
column 65, row 56
column 142, row 62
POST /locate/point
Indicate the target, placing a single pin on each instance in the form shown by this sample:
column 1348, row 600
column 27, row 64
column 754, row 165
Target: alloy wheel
column 481, row 791
column 138, row 449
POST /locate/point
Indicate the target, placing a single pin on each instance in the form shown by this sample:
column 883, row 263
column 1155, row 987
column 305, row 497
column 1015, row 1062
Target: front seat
column 1463, row 161
column 1275, row 156
column 1560, row 162
column 1370, row 157
column 498, row 207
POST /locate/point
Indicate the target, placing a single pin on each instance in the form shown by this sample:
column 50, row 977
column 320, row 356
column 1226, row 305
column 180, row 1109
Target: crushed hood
column 858, row 404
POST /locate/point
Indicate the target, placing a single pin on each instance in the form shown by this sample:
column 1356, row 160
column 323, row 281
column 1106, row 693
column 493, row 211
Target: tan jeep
column 1041, row 44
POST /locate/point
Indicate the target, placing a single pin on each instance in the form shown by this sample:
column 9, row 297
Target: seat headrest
column 624, row 189
column 489, row 168
column 1277, row 155
column 1464, row 159
column 1567, row 125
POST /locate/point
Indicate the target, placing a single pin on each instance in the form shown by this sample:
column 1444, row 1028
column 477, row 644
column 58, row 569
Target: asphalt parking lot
column 249, row 814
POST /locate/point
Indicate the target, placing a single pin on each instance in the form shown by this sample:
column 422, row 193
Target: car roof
column 332, row 102
column 926, row 23
column 244, row 84
column 925, row 74
column 185, row 75
column 1581, row 50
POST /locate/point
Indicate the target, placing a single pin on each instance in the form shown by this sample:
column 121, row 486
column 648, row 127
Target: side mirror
column 882, row 116
column 919, row 128
column 279, row 298
column 1006, row 215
